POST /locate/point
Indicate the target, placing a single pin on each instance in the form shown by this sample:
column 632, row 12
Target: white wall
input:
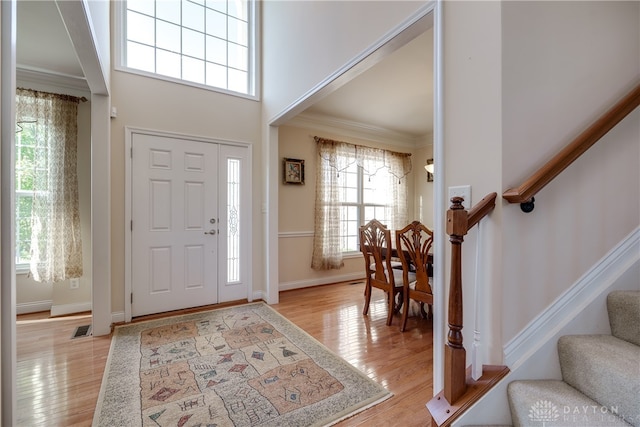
column 328, row 35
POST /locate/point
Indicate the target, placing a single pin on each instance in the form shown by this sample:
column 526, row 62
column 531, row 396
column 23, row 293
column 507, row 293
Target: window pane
column 192, row 43
column 216, row 24
column 219, row 5
column 168, row 36
column 352, row 244
column 216, row 50
column 370, row 213
column 351, row 179
column 237, row 31
column 238, row 80
column 377, row 187
column 216, row 75
column 168, row 64
column 192, row 70
column 233, row 230
column 193, row 16
column 239, row 9
column 142, row 6
column 140, row 28
column 238, row 57
column 200, row 29
column 140, row 57
column 351, row 194
column 169, row 10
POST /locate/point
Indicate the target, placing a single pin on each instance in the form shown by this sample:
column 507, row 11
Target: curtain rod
column 60, row 95
column 318, row 139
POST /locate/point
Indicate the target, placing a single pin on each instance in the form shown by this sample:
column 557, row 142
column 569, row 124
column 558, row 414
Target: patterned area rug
column 238, row 366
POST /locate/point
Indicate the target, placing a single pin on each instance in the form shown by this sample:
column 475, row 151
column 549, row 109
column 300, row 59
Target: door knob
column 210, row 232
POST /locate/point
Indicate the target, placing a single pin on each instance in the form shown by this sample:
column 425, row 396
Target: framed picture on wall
column 293, row 171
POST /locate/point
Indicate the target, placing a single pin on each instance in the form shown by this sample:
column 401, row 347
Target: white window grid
column 360, row 201
column 206, row 43
column 25, row 174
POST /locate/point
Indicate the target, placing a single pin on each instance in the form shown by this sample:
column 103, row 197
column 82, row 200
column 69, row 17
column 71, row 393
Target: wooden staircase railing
column 460, row 390
column 524, row 193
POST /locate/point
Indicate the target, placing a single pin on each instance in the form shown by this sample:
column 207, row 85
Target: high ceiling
column 42, row 42
column 395, row 94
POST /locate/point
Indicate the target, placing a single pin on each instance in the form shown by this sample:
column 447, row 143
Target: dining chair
column 413, row 244
column 376, row 247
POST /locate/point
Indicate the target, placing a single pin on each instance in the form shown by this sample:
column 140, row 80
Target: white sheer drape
column 56, row 247
column 335, row 157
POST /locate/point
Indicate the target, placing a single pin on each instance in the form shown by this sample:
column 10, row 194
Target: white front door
column 174, row 245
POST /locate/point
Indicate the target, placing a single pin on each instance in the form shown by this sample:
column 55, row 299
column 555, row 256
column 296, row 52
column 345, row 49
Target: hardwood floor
column 59, row 378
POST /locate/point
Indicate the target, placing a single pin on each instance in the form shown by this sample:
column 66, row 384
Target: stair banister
column 460, row 389
column 459, row 221
column 524, row 193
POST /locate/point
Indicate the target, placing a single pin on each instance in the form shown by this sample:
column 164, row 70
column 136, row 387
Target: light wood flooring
column 59, row 378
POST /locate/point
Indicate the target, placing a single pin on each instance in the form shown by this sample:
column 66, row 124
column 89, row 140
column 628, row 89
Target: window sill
column 22, row 269
column 346, row 255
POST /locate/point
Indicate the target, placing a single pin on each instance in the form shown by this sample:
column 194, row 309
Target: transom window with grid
column 203, row 42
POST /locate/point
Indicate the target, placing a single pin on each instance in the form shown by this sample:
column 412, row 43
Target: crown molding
column 41, row 79
column 325, row 123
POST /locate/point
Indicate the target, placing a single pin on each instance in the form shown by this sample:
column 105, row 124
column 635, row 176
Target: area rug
column 238, row 366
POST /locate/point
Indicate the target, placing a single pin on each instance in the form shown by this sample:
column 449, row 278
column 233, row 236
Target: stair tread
column 624, row 315
column 535, row 402
column 604, row 368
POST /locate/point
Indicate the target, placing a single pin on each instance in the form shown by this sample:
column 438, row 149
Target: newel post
column 454, row 352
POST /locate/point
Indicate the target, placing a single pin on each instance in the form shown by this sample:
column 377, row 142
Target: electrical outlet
column 463, row 191
column 74, row 283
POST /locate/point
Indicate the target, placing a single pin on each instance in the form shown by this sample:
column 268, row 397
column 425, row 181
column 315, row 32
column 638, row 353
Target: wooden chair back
column 414, row 244
column 376, row 247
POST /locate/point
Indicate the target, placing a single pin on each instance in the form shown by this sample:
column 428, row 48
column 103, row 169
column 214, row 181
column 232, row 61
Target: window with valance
column 355, row 184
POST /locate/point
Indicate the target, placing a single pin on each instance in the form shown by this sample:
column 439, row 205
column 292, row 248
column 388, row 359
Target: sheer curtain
column 335, row 157
column 56, row 247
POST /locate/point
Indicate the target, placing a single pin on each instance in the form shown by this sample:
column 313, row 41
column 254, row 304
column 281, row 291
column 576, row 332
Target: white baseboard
column 258, row 295
column 33, row 307
column 62, row 309
column 117, row 317
column 299, row 284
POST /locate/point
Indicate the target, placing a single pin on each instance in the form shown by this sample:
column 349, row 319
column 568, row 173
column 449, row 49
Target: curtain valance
column 340, row 155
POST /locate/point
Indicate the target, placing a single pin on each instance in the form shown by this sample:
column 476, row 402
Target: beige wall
column 563, row 65
column 522, row 79
column 423, row 190
column 154, row 104
column 472, row 152
column 34, row 296
column 297, row 202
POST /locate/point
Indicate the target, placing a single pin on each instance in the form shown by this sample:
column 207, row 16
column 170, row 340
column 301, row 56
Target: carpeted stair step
column 605, row 369
column 624, row 315
column 555, row 403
